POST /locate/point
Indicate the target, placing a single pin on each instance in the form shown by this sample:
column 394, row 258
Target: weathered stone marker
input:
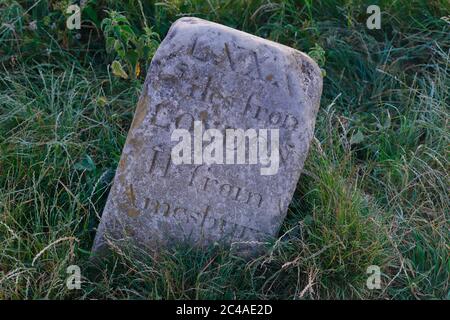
column 225, row 78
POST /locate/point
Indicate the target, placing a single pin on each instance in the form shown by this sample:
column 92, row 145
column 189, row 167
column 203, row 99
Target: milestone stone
column 225, row 79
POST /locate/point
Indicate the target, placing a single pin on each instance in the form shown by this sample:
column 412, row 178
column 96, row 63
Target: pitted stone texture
column 227, row 79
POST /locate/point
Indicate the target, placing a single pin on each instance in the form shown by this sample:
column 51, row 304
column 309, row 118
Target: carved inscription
column 225, row 79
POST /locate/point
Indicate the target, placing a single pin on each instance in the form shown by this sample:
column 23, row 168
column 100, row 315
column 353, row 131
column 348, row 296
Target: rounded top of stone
column 192, row 25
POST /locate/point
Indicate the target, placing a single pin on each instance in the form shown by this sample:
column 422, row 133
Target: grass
column 374, row 189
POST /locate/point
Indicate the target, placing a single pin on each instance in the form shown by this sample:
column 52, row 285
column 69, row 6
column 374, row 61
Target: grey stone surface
column 228, row 79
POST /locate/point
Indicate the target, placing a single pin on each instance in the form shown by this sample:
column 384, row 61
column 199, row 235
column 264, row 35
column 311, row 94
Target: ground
column 374, row 191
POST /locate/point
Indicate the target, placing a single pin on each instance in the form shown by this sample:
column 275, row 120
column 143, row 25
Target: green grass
column 374, row 189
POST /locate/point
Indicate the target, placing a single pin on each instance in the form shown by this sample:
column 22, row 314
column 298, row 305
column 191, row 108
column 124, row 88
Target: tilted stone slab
column 225, row 78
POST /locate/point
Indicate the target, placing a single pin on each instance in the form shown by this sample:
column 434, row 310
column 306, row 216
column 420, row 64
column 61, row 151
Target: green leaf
column 118, row 71
column 85, row 164
column 357, row 138
column 91, row 13
column 132, row 57
column 110, row 41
